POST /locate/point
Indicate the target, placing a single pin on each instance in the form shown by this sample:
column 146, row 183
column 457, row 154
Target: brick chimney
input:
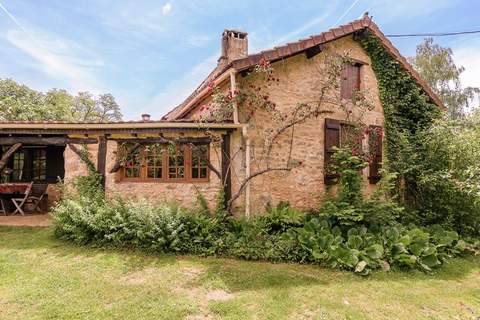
column 145, row 117
column 234, row 46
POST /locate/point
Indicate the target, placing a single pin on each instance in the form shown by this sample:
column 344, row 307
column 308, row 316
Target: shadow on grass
column 236, row 275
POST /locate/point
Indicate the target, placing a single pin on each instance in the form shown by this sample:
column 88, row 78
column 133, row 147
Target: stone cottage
column 184, row 153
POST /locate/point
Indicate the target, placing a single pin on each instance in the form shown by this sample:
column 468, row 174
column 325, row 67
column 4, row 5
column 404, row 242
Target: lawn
column 45, row 278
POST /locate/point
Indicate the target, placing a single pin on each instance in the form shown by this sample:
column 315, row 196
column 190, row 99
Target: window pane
column 18, row 165
column 203, row 172
column 39, row 164
column 176, row 161
column 199, row 161
column 132, row 162
column 154, row 154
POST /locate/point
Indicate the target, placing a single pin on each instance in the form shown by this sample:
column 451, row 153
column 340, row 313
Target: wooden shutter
column 350, row 81
column 332, row 139
column 55, row 163
column 375, row 142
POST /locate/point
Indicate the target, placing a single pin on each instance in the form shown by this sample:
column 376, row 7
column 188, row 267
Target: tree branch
column 8, row 154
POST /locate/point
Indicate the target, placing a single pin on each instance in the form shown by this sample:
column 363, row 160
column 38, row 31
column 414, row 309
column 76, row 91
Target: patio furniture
column 19, row 203
column 38, row 193
column 9, row 191
column 3, row 208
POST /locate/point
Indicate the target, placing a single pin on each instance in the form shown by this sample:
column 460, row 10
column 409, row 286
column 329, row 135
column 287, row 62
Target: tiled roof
column 300, row 46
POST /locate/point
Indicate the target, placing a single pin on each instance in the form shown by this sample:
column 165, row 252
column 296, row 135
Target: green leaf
column 375, row 251
column 430, row 260
column 354, row 242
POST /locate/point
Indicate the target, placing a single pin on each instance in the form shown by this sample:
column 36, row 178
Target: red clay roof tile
column 299, row 46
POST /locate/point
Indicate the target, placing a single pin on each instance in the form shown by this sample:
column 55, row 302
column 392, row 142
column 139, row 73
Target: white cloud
column 198, row 40
column 166, row 8
column 180, row 88
column 467, row 56
column 59, row 58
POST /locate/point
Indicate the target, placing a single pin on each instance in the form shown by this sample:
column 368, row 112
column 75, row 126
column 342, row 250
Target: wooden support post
column 8, row 154
column 102, row 157
column 226, row 170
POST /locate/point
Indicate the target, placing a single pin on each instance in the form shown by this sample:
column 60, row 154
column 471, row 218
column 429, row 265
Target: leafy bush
column 283, row 234
column 448, row 188
column 348, row 207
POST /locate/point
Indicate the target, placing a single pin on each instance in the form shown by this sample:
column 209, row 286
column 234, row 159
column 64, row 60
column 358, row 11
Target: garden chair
column 38, row 193
column 3, row 208
column 19, row 203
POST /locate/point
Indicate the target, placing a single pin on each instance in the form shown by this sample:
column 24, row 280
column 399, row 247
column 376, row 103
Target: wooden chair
column 19, row 203
column 3, row 208
column 38, row 193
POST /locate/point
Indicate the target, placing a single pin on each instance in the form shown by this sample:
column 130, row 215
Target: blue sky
column 151, row 54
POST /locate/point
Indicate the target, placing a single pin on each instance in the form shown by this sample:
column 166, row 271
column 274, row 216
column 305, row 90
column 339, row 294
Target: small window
column 39, row 164
column 350, row 136
column 350, row 81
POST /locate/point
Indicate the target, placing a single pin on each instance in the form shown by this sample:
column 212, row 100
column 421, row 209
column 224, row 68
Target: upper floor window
column 350, row 81
column 166, row 162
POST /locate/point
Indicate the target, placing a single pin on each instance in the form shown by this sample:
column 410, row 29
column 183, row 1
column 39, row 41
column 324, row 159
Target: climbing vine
column 407, row 112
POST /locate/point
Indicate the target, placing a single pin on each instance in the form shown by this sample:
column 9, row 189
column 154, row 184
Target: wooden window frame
column 187, row 178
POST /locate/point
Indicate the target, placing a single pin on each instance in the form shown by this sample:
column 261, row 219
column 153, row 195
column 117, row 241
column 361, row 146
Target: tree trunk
column 8, row 154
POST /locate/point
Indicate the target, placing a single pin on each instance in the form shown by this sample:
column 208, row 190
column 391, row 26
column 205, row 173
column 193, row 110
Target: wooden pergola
column 18, row 134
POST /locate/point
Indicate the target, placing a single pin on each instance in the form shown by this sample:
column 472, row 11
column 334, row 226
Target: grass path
column 44, row 278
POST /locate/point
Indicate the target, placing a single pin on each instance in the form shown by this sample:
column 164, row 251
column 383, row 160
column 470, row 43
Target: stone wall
column 303, row 186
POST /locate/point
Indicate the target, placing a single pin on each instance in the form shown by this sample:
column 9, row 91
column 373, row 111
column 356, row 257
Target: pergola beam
column 45, row 141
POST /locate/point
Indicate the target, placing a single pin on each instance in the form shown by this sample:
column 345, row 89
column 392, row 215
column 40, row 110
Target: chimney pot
column 145, row 117
column 234, row 46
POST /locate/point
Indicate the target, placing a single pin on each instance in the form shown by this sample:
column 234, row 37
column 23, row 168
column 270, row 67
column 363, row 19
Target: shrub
column 342, row 235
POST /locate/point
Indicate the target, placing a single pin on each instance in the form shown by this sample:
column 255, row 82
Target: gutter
column 113, row 125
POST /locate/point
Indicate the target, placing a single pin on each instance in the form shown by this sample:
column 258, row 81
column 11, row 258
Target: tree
column 107, row 108
column 19, row 102
column 438, row 69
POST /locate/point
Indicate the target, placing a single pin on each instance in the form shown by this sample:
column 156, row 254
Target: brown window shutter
column 350, row 81
column 375, row 142
column 332, row 139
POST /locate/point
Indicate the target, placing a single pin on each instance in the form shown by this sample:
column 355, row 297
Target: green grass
column 44, row 278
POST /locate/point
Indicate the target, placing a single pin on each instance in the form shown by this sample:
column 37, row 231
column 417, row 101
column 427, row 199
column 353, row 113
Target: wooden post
column 102, row 157
column 226, row 170
column 8, row 154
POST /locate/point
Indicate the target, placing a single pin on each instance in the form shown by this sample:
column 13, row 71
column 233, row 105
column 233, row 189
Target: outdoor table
column 11, row 190
column 17, row 188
